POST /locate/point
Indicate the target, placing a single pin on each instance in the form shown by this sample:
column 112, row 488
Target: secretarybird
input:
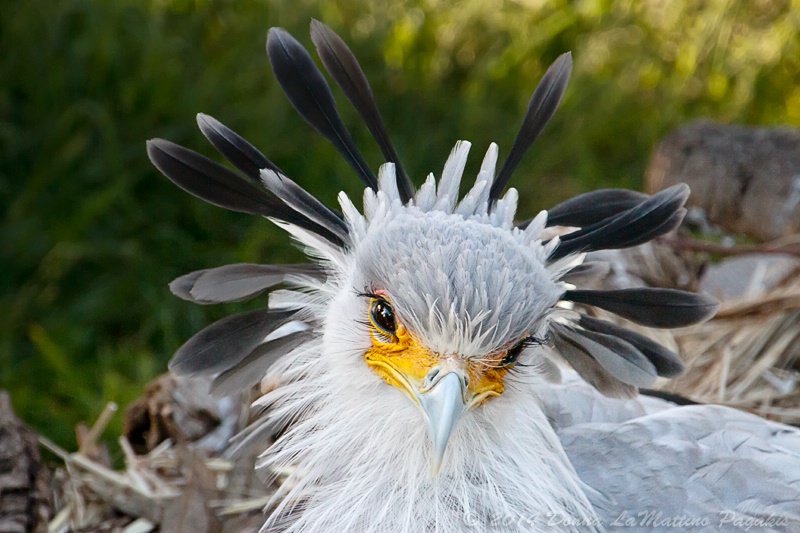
column 422, row 353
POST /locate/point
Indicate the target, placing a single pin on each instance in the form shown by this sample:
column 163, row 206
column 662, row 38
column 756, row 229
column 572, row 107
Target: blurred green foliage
column 90, row 233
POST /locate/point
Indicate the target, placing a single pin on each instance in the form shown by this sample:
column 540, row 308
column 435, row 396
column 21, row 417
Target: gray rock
column 746, row 276
column 746, row 178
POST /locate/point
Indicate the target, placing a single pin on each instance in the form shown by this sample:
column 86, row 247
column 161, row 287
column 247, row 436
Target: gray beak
column 443, row 405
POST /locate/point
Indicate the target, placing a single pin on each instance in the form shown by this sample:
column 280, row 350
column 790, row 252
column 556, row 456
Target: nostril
column 466, row 381
column 430, row 379
column 433, row 377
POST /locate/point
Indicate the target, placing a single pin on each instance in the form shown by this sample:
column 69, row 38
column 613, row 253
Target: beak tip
column 437, row 459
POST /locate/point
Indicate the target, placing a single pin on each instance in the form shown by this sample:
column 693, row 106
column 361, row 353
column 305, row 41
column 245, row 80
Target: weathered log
column 25, row 491
column 181, row 409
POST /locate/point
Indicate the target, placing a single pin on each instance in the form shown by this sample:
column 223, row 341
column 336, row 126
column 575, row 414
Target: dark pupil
column 383, row 316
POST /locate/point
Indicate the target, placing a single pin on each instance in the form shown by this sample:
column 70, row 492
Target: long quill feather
column 342, row 65
column 541, row 108
column 311, row 96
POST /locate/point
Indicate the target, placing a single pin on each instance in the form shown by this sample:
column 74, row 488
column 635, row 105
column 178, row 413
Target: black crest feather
column 304, row 202
column 225, row 343
column 593, row 207
column 655, row 216
column 342, row 65
column 311, row 96
column 243, row 155
column 220, row 186
column 657, row 308
column 541, row 108
column 210, row 181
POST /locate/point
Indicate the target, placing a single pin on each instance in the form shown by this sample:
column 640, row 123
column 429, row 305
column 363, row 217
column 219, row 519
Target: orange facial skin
column 405, row 362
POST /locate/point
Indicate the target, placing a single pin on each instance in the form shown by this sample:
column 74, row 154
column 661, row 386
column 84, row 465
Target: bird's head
column 421, row 303
column 440, row 298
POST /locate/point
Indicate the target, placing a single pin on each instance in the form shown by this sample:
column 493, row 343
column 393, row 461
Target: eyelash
column 375, row 331
column 519, row 348
column 368, row 292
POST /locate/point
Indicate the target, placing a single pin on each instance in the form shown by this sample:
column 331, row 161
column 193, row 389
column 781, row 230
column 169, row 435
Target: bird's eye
column 382, row 316
column 515, row 351
column 512, row 354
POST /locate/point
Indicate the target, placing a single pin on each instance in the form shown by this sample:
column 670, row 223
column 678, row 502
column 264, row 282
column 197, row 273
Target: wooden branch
column 784, row 246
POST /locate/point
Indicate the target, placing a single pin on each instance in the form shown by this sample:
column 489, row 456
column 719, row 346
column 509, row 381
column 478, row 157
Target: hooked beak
column 443, row 403
column 443, row 387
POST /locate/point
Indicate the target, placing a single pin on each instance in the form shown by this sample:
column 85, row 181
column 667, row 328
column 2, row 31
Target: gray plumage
column 617, row 357
column 667, row 363
column 586, row 273
column 650, row 462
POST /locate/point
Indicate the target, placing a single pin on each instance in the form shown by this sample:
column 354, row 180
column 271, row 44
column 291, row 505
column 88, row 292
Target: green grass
column 90, row 233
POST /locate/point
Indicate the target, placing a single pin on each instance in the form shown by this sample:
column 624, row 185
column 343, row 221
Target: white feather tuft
column 370, row 204
column 505, row 209
column 355, row 220
column 387, row 182
column 536, row 227
column 488, row 167
column 313, row 245
column 471, row 200
column 451, row 177
column 426, row 195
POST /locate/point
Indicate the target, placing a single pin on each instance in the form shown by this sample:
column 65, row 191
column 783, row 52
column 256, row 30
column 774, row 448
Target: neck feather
column 358, row 457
